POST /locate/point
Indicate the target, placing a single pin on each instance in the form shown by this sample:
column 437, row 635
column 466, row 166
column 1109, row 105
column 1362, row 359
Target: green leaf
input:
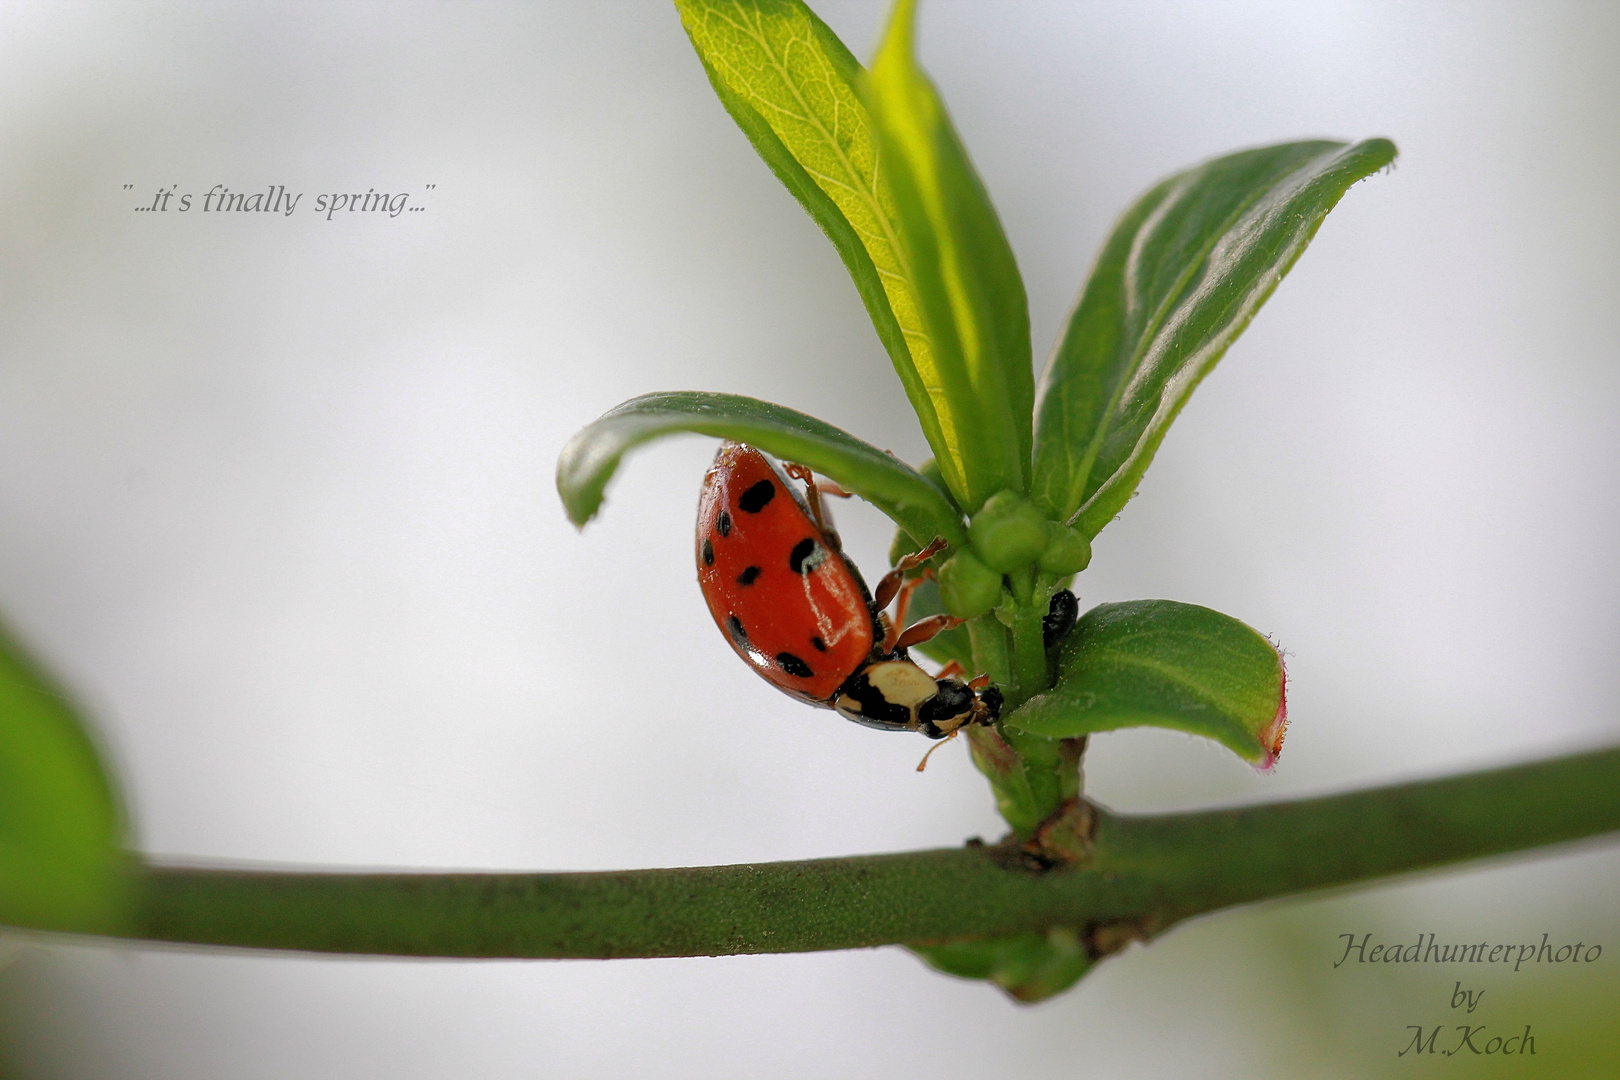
column 789, row 83
column 60, row 823
column 1179, row 279
column 591, row 457
column 791, row 86
column 966, row 279
column 1158, row 663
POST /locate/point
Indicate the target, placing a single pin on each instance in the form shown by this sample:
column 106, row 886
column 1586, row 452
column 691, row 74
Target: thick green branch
column 1147, row 873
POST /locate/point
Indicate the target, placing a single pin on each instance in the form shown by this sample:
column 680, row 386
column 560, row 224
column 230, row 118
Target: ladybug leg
column 890, row 631
column 895, row 585
column 955, row 670
column 902, row 601
column 812, row 493
column 890, row 584
column 895, row 625
column 826, row 487
column 887, row 587
column 925, row 629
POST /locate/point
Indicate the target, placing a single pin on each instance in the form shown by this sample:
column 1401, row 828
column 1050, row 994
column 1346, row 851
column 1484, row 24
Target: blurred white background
column 276, row 501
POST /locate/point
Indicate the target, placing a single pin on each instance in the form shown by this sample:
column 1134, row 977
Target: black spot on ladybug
column 817, row 644
column 738, row 634
column 806, row 556
column 757, row 497
column 747, row 576
column 793, row 665
column 722, row 525
column 708, row 552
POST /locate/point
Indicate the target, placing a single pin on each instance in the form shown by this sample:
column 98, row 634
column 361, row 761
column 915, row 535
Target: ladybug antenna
column 923, row 764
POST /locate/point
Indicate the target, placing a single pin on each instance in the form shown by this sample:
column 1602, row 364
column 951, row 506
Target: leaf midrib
column 1154, row 325
column 867, row 195
column 1173, row 675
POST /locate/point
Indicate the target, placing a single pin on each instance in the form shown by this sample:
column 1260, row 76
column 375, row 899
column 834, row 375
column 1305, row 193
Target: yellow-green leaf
column 791, row 86
column 972, row 298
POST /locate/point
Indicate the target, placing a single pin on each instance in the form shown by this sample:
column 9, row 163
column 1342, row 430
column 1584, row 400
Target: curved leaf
column 60, row 824
column 928, row 257
column 1179, row 279
column 1158, row 663
column 966, row 279
column 789, row 83
column 590, row 458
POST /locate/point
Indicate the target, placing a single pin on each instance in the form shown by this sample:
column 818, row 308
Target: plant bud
column 1067, row 552
column 1008, row 531
column 967, row 587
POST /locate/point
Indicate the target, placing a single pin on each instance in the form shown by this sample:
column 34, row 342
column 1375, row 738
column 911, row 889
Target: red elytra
column 797, row 611
column 777, row 583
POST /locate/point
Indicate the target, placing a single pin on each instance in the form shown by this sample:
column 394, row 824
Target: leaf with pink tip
column 1157, row 663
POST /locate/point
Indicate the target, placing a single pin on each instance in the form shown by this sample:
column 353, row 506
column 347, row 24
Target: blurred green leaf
column 1031, row 967
column 1179, row 279
column 964, row 276
column 60, row 822
column 789, row 83
column 1158, row 663
column 591, row 457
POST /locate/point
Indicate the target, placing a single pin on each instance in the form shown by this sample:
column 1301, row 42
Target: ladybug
column 796, row 609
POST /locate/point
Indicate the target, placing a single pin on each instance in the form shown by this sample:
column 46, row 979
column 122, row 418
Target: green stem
column 1147, row 873
column 1031, row 775
column 1046, row 774
column 1021, row 777
column 1030, row 670
column 990, row 653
